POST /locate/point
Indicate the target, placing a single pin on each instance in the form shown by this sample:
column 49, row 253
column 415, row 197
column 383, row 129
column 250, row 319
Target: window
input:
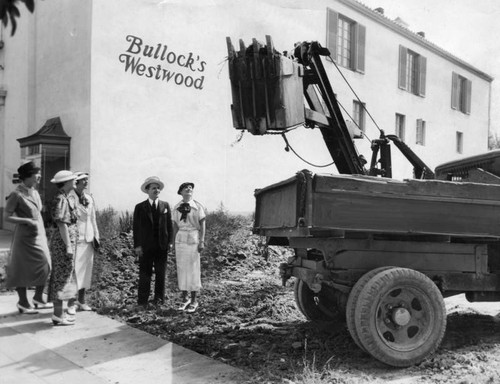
column 345, row 38
column 412, row 71
column 461, row 93
column 460, row 142
column 400, row 126
column 420, row 132
column 359, row 114
column 344, row 41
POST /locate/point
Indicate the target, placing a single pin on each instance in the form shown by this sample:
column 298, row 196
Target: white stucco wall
column 192, row 128
column 16, row 116
column 62, row 87
column 125, row 127
column 192, row 132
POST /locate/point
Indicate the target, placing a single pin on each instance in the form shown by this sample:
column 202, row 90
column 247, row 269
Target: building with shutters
column 126, row 89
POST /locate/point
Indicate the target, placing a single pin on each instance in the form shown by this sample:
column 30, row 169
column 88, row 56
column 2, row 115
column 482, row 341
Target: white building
column 125, row 89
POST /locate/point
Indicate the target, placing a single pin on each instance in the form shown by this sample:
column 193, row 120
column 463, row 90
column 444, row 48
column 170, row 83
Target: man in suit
column 153, row 237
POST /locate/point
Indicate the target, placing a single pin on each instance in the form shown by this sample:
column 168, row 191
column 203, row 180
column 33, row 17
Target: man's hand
column 138, row 253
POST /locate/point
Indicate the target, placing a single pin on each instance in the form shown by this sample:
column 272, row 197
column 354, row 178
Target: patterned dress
column 29, row 260
column 187, row 256
column 62, row 284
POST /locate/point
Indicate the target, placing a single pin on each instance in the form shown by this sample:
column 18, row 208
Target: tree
column 9, row 10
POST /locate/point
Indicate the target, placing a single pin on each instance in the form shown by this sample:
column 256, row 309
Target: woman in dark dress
column 62, row 285
column 29, row 261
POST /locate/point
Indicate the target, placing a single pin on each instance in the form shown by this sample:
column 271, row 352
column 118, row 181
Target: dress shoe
column 63, row 320
column 71, row 310
column 42, row 305
column 184, row 305
column 27, row 311
column 83, row 306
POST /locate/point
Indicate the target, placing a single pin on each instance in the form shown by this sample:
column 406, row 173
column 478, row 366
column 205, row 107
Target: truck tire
column 353, row 299
column 321, row 306
column 400, row 317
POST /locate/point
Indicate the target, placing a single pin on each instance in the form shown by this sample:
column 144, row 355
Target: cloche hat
column 184, row 185
column 62, row 177
column 81, row 175
column 152, row 180
column 27, row 169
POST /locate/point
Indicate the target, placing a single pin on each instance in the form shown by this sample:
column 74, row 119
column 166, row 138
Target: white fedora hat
column 62, row 177
column 151, row 180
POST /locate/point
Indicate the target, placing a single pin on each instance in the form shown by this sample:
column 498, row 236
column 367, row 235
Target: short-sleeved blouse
column 193, row 218
column 64, row 209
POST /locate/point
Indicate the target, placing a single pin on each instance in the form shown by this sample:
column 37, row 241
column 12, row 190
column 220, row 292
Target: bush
column 107, row 222
column 126, row 222
column 111, row 224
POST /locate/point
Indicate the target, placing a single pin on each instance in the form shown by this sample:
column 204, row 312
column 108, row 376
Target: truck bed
column 326, row 205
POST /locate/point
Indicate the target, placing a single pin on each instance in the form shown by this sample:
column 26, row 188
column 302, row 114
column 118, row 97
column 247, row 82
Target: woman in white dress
column 88, row 240
column 188, row 217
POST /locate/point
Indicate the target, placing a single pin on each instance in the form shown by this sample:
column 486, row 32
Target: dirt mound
column 249, row 320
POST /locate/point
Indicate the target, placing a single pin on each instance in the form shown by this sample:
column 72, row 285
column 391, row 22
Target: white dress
column 87, row 230
column 186, row 246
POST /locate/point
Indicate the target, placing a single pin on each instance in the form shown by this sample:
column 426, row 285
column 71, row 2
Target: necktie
column 153, row 206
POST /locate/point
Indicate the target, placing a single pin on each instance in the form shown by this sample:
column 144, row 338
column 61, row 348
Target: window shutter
column 454, row 90
column 402, row 67
column 360, row 47
column 332, row 22
column 419, row 131
column 423, row 131
column 468, row 94
column 422, row 69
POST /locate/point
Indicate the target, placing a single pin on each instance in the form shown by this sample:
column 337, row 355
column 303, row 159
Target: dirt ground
column 249, row 320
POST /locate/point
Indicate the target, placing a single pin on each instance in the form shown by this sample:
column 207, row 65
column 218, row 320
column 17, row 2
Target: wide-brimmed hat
column 27, row 169
column 152, row 180
column 62, row 177
column 81, row 175
column 184, row 185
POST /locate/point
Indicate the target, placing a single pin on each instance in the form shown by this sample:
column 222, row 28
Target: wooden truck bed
column 326, row 205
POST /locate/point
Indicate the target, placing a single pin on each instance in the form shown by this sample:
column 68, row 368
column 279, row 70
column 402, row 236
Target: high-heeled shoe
column 42, row 305
column 27, row 311
column 83, row 306
column 63, row 320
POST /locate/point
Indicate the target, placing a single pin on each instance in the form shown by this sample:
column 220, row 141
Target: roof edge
column 414, row 37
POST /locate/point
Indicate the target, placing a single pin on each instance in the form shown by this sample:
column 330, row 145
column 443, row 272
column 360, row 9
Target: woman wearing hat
column 63, row 246
column 189, row 228
column 29, row 261
column 88, row 239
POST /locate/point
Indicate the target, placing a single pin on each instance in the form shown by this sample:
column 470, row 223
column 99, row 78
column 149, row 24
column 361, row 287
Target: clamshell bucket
column 266, row 87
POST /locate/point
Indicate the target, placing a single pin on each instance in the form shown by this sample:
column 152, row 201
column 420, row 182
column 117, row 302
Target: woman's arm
column 9, row 212
column 93, row 219
column 9, row 217
column 201, row 245
column 63, row 230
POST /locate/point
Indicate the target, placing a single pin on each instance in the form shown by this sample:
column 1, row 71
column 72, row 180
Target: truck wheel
column 321, row 306
column 400, row 317
column 353, row 299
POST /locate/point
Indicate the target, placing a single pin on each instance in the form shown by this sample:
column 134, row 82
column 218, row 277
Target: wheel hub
column 401, row 316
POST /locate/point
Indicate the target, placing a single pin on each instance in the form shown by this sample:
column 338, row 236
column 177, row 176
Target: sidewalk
column 96, row 350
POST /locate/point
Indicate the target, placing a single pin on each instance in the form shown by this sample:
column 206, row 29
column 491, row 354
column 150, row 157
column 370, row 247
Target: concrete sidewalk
column 95, row 350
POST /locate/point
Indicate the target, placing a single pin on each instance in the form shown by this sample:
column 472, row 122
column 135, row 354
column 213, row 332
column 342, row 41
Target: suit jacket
column 143, row 225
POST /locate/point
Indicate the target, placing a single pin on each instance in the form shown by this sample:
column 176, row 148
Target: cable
column 289, row 147
column 355, row 94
